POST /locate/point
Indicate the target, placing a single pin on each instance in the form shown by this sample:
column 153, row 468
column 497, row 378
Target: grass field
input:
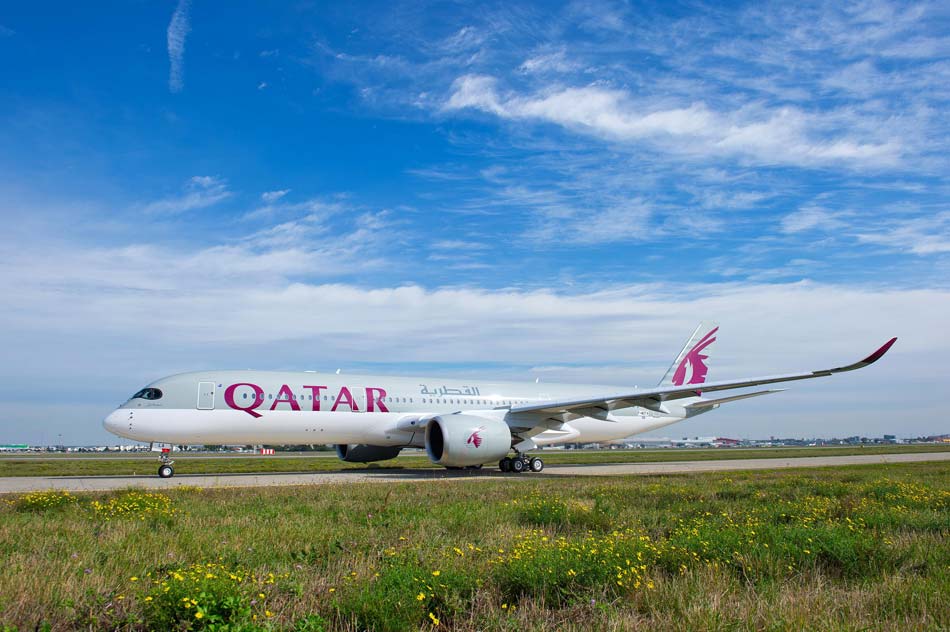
column 852, row 548
column 300, row 462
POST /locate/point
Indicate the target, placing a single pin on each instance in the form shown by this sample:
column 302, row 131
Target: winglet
column 871, row 359
column 877, row 355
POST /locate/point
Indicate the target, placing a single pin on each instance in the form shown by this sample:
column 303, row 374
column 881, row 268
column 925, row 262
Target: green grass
column 190, row 464
column 850, row 548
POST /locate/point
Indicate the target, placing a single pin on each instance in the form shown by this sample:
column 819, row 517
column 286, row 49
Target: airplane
column 461, row 423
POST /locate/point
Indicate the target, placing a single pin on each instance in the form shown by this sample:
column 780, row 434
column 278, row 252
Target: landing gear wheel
column 165, row 470
column 504, row 465
column 518, row 465
column 536, row 464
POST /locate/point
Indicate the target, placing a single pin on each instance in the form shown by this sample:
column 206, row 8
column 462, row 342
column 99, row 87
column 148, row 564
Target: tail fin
column 690, row 365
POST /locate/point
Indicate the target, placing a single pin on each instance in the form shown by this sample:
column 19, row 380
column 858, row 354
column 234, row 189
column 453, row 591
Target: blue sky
column 509, row 190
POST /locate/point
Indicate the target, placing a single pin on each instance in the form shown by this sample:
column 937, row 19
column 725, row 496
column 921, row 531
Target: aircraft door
column 205, row 395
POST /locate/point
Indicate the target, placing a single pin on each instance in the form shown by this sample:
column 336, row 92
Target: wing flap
column 708, row 403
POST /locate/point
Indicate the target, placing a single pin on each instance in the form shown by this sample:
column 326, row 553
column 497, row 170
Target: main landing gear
column 521, row 463
column 165, row 470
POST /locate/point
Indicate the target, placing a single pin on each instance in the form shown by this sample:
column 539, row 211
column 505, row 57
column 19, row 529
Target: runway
column 105, row 483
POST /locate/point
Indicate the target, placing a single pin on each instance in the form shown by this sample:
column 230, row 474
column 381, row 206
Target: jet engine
column 463, row 440
column 360, row 453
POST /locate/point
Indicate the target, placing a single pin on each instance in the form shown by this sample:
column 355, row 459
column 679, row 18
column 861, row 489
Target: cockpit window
column 148, row 393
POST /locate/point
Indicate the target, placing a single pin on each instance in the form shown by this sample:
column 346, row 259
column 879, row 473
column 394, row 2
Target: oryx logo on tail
column 695, row 361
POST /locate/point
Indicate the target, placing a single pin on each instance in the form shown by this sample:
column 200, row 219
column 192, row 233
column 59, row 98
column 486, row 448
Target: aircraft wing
column 599, row 406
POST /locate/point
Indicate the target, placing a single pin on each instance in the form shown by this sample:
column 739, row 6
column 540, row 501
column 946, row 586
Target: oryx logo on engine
column 475, row 439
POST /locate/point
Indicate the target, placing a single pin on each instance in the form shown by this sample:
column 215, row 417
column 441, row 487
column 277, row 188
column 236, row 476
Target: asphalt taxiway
column 105, row 483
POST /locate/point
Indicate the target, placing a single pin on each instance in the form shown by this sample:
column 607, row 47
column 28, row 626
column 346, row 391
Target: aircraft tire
column 165, row 471
column 504, row 465
column 517, row 466
column 536, row 465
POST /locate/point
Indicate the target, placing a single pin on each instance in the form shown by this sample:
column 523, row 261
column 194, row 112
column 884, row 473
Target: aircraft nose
column 113, row 422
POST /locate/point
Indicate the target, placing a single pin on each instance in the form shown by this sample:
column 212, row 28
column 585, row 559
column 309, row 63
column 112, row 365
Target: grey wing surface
column 564, row 410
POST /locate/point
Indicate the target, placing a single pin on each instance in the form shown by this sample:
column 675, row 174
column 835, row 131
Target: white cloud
column 627, row 221
column 465, row 39
column 458, row 245
column 313, row 210
column 729, row 199
column 920, row 235
column 178, row 29
column 200, row 192
column 772, row 136
column 904, row 230
column 272, row 196
column 474, row 91
column 555, row 62
column 918, row 48
column 810, row 218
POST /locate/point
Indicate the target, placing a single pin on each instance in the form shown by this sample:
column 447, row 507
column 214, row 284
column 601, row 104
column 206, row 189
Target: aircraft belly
column 594, row 430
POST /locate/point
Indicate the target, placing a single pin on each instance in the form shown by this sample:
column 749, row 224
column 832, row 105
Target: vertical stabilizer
column 690, row 366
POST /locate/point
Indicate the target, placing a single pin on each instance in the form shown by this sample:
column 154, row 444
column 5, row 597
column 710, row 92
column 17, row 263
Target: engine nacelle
column 360, row 453
column 462, row 440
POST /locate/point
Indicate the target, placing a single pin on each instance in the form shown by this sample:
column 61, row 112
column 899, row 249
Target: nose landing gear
column 521, row 463
column 165, row 470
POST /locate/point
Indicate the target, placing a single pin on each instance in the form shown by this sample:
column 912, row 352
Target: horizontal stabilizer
column 706, row 403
